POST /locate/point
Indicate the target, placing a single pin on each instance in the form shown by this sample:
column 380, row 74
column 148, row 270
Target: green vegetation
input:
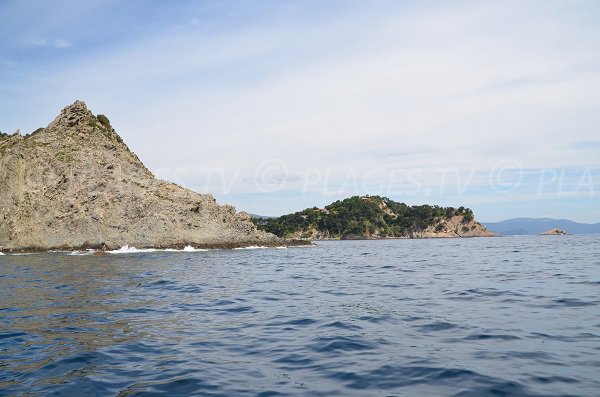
column 103, row 124
column 364, row 216
column 104, row 121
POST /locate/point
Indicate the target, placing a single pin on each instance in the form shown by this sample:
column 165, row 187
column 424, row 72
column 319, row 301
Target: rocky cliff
column 372, row 217
column 75, row 184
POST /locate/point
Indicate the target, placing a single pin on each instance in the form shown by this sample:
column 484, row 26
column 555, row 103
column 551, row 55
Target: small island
column 374, row 217
column 554, row 232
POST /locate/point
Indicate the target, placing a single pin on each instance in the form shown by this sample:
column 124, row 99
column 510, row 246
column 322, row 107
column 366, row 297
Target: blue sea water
column 513, row 316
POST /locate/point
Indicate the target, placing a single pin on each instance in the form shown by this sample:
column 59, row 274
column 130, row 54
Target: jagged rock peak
column 73, row 115
column 76, row 106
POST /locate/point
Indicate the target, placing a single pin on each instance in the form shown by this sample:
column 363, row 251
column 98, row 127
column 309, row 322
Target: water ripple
column 439, row 317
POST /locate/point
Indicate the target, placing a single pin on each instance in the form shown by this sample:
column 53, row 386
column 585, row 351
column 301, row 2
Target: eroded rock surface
column 76, row 184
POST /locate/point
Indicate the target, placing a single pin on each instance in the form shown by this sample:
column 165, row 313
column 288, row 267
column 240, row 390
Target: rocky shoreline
column 285, row 243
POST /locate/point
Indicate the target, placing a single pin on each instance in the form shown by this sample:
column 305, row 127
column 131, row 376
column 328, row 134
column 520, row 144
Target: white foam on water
column 251, row 247
column 189, row 248
column 82, row 253
column 1, row 253
column 126, row 249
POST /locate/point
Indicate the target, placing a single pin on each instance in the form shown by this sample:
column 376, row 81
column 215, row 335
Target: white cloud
column 449, row 87
column 45, row 42
column 61, row 43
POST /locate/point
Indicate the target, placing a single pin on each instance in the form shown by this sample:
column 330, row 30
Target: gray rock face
column 75, row 184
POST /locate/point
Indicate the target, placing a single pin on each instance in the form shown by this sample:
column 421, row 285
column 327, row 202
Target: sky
column 276, row 106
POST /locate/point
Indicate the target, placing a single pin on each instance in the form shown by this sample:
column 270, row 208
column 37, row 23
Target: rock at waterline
column 554, row 232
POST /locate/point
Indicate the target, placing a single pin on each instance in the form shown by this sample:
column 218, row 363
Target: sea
column 505, row 316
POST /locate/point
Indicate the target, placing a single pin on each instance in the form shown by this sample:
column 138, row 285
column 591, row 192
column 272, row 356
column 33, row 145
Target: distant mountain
column 261, row 216
column 370, row 217
column 514, row 226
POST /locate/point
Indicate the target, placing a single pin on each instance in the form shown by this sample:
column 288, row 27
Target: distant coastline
column 535, row 226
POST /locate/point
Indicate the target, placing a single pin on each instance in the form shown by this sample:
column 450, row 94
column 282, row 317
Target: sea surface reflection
column 515, row 316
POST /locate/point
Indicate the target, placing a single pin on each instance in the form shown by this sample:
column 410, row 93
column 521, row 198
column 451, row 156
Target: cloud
column 61, row 43
column 53, row 43
column 211, row 95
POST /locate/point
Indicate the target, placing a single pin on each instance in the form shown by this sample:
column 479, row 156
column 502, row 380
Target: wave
column 82, row 253
column 127, row 249
column 189, row 248
column 281, row 247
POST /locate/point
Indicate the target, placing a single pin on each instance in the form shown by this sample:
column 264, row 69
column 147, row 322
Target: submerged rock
column 75, row 184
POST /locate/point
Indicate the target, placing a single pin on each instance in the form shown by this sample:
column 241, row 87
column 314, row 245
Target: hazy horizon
column 274, row 107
